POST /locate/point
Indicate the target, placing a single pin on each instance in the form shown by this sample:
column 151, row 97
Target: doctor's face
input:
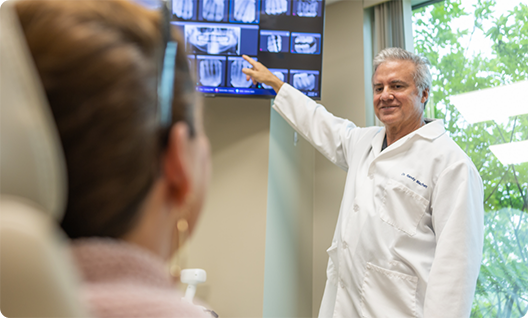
column 397, row 102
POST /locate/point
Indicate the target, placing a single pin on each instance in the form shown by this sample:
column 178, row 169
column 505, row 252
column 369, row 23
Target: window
column 475, row 45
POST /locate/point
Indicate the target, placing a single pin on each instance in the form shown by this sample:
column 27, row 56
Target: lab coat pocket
column 402, row 208
column 387, row 293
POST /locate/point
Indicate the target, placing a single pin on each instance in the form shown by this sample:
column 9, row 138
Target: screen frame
column 262, row 93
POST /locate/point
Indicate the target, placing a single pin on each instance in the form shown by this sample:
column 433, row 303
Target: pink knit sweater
column 125, row 280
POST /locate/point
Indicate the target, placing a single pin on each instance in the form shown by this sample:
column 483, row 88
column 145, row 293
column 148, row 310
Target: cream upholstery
column 37, row 279
column 36, row 274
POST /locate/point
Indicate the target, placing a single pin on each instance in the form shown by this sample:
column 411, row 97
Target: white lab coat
column 409, row 237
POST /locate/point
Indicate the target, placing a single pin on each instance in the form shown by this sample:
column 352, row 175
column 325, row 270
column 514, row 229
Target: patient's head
column 99, row 62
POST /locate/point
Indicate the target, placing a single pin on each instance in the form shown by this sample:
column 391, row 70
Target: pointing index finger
column 250, row 60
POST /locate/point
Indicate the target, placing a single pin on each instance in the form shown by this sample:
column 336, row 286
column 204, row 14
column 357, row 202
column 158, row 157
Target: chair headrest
column 32, row 164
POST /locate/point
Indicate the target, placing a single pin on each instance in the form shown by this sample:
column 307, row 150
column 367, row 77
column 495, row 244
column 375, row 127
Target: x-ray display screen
column 285, row 35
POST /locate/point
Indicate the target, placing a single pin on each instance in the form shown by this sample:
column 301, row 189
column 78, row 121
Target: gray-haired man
column 408, row 240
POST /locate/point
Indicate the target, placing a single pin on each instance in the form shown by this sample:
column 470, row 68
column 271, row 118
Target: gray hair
column 422, row 75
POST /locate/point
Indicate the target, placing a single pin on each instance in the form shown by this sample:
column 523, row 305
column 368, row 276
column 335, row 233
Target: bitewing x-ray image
column 214, row 10
column 276, row 7
column 305, row 43
column 280, row 73
column 245, row 11
column 307, row 8
column 213, row 40
column 237, row 78
column 184, row 9
column 211, row 70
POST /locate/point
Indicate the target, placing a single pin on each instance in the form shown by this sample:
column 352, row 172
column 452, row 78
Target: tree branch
column 489, row 196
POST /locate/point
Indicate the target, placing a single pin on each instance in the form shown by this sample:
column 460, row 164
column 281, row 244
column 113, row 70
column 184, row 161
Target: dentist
column 409, row 237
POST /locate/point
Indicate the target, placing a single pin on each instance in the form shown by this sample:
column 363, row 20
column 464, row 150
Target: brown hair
column 98, row 62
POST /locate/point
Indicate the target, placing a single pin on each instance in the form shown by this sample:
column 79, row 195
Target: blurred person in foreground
column 409, row 237
column 138, row 164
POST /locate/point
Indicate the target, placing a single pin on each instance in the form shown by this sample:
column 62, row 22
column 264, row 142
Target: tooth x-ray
column 214, row 10
column 280, row 73
column 304, row 80
column 184, row 9
column 307, row 8
column 237, row 78
column 276, row 7
column 213, row 40
column 274, row 41
column 305, row 43
column 245, row 11
column 211, row 71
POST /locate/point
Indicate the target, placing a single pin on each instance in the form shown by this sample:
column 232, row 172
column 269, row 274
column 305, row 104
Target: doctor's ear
column 177, row 162
column 425, row 95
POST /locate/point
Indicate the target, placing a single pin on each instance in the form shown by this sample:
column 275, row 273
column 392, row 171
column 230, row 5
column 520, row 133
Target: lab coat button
column 342, row 283
column 345, row 245
column 356, row 208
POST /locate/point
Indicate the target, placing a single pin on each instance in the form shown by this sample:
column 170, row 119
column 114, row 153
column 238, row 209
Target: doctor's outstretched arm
column 259, row 73
column 312, row 121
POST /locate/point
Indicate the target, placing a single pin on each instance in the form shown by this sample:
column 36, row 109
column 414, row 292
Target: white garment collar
column 432, row 130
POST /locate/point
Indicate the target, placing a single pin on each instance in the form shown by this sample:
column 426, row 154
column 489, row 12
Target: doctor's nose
column 386, row 95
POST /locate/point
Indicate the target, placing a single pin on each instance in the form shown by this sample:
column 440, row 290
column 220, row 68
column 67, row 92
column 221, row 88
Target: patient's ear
column 177, row 163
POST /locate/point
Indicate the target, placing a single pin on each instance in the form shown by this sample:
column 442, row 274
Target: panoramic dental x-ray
column 213, row 40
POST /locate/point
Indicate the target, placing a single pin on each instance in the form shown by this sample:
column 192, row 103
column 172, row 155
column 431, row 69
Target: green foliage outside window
column 502, row 287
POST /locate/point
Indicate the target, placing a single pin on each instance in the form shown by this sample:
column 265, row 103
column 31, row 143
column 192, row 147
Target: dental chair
column 37, row 276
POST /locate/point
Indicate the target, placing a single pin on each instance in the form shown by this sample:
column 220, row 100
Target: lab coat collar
column 432, row 130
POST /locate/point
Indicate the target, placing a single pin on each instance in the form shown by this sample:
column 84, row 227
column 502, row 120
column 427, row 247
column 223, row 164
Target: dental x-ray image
column 213, row 40
column 305, row 43
column 184, row 9
column 307, row 8
column 276, row 7
column 304, row 80
column 213, row 10
column 280, row 73
column 211, row 70
column 237, row 78
column 274, row 41
column 245, row 11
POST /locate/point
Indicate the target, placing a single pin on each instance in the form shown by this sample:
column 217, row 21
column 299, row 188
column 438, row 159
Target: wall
column 343, row 95
column 230, row 240
column 289, row 224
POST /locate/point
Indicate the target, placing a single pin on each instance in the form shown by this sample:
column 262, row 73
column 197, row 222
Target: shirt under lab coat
column 409, row 236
